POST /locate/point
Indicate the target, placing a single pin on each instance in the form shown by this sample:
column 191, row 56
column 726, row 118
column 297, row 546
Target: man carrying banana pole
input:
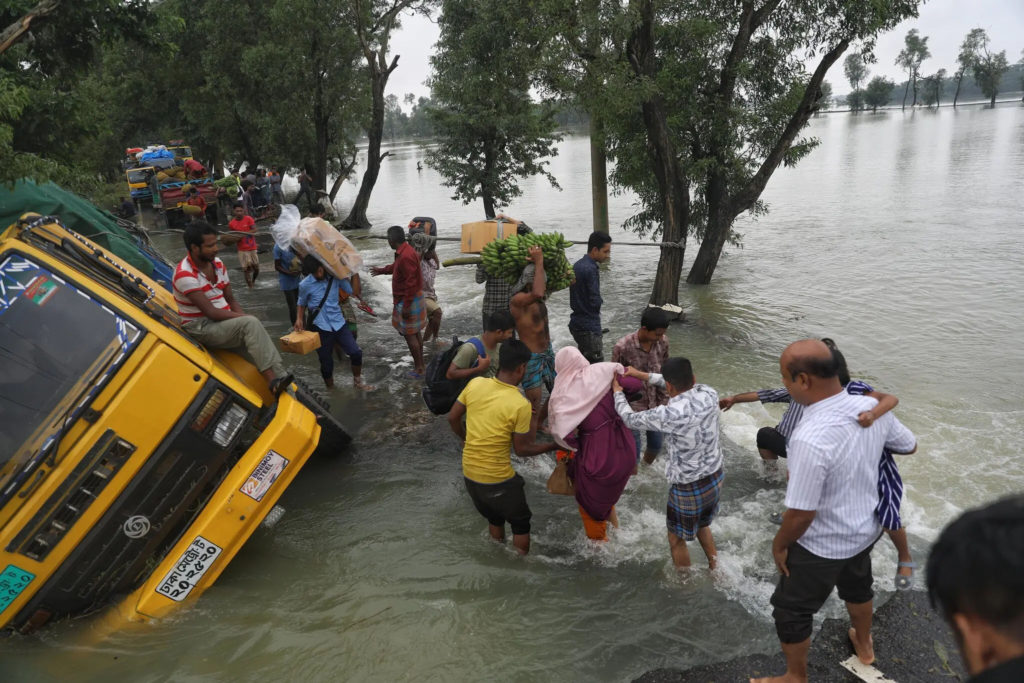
column 531, row 316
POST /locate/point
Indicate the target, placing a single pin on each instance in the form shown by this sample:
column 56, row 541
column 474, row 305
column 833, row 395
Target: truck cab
column 134, row 463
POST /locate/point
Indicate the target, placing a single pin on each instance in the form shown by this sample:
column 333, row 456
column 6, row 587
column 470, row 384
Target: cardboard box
column 476, row 235
column 300, row 342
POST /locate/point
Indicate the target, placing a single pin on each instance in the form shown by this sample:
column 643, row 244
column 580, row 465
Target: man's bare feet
column 360, row 384
column 865, row 651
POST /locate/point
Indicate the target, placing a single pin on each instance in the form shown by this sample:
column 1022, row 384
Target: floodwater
column 899, row 237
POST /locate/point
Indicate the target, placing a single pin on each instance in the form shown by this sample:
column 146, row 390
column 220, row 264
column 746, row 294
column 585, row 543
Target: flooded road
column 900, row 237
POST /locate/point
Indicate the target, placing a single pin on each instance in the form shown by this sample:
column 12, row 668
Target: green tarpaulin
column 76, row 213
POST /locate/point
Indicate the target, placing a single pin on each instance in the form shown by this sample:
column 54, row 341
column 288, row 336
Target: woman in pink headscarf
column 581, row 416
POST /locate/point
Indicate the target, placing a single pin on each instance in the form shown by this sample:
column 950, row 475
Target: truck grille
column 142, row 525
column 74, row 496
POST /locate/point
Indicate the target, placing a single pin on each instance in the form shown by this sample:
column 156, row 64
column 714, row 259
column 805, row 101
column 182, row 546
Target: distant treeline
column 1010, row 84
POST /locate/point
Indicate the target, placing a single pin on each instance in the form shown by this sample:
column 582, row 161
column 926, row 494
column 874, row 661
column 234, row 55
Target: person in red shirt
column 196, row 199
column 409, row 316
column 194, row 169
column 247, row 256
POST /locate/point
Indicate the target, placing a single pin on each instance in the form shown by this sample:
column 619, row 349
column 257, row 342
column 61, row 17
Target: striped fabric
column 791, row 418
column 188, row 278
column 833, row 470
column 890, row 484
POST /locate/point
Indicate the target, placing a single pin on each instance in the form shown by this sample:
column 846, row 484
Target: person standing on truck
column 248, row 259
column 194, row 169
column 211, row 315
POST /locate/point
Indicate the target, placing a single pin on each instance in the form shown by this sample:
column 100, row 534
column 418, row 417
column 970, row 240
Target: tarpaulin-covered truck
column 134, row 463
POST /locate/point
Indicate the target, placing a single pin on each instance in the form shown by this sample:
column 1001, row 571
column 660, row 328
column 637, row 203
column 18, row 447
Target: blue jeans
column 653, row 442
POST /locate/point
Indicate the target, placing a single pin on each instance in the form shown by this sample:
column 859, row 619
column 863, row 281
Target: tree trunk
column 488, row 203
column 673, row 186
column 486, row 191
column 598, row 175
column 956, row 95
column 914, row 103
column 905, row 93
column 992, row 102
column 346, row 171
column 357, row 216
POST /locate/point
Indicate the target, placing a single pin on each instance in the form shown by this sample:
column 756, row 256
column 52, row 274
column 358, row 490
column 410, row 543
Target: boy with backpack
column 469, row 362
column 448, row 373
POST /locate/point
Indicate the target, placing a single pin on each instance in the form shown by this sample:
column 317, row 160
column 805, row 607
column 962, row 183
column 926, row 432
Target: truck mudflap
column 234, row 511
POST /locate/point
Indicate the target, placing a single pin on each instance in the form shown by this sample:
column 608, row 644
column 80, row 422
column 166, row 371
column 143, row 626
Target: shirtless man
column 531, row 316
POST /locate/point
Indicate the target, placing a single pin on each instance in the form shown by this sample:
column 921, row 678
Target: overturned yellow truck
column 134, row 463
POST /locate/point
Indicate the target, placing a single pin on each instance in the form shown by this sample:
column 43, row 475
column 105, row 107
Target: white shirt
column 833, row 470
column 689, row 423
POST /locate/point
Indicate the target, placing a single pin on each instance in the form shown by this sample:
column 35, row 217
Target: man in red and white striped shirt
column 210, row 313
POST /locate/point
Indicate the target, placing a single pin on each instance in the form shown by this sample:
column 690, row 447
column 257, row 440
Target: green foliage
column 399, row 125
column 988, row 71
column 914, row 52
column 856, row 100
column 856, row 69
column 490, row 131
column 933, row 87
column 878, row 93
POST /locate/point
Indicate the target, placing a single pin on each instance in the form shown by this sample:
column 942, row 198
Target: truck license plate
column 189, row 569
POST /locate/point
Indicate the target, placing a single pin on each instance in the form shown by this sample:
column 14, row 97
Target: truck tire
column 333, row 437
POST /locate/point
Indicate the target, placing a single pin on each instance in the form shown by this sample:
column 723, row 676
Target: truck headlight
column 229, row 424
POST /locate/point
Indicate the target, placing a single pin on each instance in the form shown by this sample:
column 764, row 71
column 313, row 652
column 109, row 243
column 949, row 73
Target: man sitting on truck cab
column 210, row 313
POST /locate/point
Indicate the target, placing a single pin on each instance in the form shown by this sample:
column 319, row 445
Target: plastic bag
column 286, row 225
column 318, row 237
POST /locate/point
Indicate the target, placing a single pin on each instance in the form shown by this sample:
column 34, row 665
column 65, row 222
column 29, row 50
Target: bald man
column 830, row 525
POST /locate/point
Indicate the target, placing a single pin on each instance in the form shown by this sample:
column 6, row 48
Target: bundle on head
column 508, row 257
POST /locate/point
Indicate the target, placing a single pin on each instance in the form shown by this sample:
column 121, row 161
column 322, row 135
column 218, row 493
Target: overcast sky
column 944, row 22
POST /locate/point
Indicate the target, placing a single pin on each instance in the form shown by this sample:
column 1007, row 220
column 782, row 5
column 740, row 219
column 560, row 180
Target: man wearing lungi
column 409, row 315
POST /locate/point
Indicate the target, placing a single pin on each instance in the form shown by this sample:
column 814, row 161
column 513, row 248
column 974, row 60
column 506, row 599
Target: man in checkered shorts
column 689, row 423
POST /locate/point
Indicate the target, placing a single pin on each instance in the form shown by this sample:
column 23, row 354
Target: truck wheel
column 333, row 437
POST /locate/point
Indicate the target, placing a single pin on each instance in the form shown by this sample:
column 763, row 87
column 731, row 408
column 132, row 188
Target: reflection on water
column 898, row 237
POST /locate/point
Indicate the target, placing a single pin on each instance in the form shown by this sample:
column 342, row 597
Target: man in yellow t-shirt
column 498, row 420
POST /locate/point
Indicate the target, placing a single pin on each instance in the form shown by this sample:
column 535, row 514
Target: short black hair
column 598, row 240
column 499, row 320
column 194, row 232
column 238, row 205
column 513, row 354
column 310, row 263
column 654, row 318
column 977, row 567
column 823, row 367
column 396, row 233
column 317, row 209
column 676, row 370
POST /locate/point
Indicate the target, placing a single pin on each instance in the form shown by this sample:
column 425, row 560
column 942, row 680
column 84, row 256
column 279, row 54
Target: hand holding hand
column 726, row 403
column 634, row 373
column 866, row 419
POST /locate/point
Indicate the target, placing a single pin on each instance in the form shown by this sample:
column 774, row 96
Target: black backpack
column 439, row 392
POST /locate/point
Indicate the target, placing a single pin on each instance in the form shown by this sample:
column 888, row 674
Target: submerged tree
column 914, row 52
column 878, row 93
column 933, row 87
column 374, row 21
column 490, row 131
column 856, row 69
column 967, row 56
column 989, row 69
column 723, row 95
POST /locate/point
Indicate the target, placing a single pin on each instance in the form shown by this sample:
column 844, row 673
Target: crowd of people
column 838, row 435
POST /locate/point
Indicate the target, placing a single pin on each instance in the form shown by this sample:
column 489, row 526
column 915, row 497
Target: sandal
column 901, row 581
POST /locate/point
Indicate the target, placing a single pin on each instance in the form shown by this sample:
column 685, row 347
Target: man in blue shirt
column 585, row 297
column 322, row 295
column 289, row 268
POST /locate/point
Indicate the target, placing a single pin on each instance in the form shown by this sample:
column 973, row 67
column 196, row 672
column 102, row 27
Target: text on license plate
column 189, row 569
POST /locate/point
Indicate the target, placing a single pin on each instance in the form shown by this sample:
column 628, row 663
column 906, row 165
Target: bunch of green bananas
column 506, row 258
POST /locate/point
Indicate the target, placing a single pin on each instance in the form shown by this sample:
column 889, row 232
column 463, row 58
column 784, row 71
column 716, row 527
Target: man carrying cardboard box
column 409, row 315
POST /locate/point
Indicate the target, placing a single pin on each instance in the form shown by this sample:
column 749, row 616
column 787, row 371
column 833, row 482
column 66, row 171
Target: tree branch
column 745, row 198
column 12, row 33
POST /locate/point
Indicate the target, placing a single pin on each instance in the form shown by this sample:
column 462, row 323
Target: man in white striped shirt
column 210, row 313
column 830, row 525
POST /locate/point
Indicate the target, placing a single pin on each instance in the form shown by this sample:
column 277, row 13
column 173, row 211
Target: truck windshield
column 140, row 175
column 58, row 346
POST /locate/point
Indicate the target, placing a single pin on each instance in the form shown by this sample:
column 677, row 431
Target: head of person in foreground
column 976, row 582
